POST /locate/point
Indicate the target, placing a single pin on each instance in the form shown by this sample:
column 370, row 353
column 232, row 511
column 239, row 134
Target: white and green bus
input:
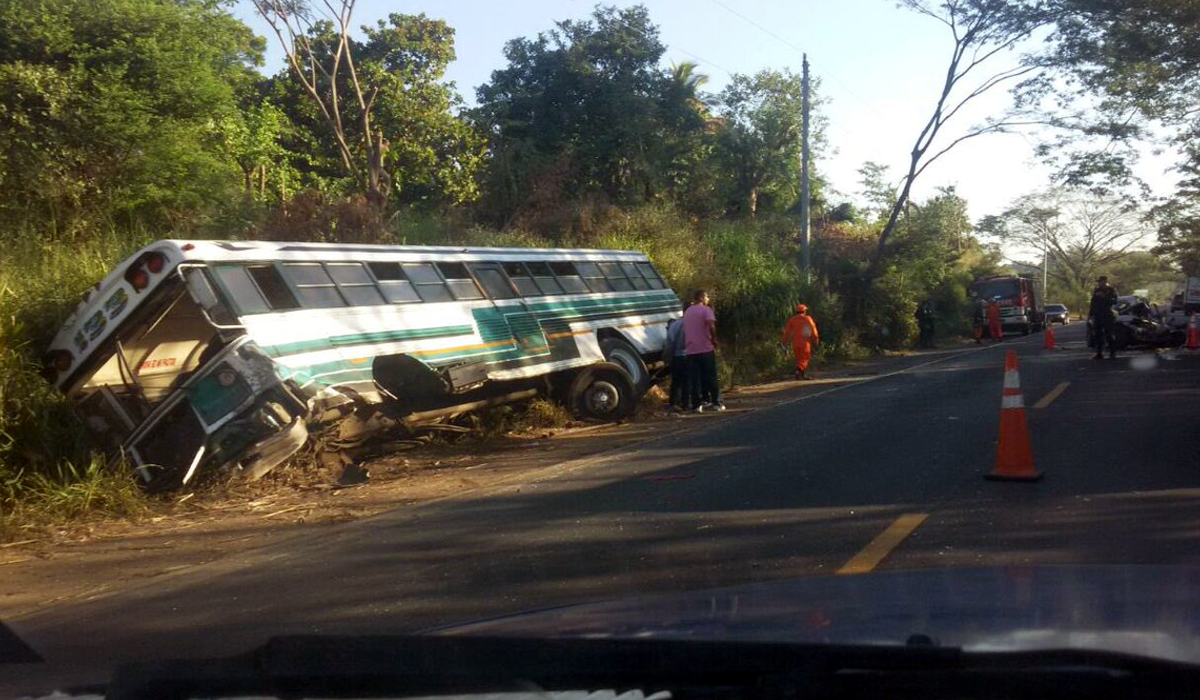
column 197, row 355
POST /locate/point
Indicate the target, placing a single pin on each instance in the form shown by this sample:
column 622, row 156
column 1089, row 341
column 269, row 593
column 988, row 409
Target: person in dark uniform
column 1100, row 317
column 924, row 317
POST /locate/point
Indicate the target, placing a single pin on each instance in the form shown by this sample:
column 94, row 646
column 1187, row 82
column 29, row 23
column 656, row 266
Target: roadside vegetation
column 582, row 138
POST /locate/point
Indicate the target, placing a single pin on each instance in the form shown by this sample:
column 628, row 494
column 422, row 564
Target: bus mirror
column 205, row 296
column 200, row 289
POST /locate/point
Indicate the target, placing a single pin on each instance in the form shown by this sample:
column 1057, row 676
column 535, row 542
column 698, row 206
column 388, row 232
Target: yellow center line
column 870, row 556
column 1054, row 394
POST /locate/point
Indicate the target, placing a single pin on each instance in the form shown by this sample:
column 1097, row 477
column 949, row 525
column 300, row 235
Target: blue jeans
column 702, row 378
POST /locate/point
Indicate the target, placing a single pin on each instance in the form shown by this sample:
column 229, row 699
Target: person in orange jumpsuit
column 801, row 332
column 993, row 319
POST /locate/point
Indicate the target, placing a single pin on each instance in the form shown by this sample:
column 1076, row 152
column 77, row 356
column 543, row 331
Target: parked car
column 1057, row 313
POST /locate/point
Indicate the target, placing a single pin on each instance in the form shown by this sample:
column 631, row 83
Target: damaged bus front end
column 164, row 381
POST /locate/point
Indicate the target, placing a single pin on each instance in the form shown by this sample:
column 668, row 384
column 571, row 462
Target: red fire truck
column 1020, row 302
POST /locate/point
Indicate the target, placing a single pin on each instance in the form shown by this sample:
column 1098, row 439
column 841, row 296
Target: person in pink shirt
column 700, row 331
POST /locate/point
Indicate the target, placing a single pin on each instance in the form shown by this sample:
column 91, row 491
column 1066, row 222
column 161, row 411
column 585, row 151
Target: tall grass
column 45, row 460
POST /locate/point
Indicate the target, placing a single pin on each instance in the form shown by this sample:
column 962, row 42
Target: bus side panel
column 648, row 337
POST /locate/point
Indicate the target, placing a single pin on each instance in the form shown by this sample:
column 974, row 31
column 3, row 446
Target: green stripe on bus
column 361, row 338
column 581, row 309
column 346, row 371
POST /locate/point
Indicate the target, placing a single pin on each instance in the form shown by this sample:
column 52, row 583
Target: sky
column 880, row 69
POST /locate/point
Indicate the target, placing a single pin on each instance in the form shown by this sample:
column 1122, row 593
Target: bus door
column 522, row 323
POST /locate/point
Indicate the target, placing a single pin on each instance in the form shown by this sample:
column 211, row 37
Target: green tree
column 253, row 139
column 584, row 110
column 1123, row 72
column 378, row 110
column 877, row 190
column 433, row 154
column 760, row 138
column 108, row 107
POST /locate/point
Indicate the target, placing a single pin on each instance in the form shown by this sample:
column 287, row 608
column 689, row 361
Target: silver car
column 1057, row 313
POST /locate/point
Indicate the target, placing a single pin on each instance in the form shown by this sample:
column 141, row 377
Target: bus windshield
column 150, row 356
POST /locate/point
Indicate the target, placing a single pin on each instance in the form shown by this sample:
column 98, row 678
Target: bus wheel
column 603, row 391
column 622, row 353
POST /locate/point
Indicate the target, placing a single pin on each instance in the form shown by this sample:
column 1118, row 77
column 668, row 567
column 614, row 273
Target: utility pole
column 1045, row 264
column 805, row 216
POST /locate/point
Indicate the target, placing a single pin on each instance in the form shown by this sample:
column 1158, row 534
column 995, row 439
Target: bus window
column 651, row 276
column 314, row 286
column 395, row 286
column 544, row 277
column 593, row 277
column 273, row 288
column 493, row 281
column 245, row 294
column 616, row 278
column 459, row 280
column 428, row 282
column 521, row 277
column 355, row 284
column 568, row 277
column 631, row 269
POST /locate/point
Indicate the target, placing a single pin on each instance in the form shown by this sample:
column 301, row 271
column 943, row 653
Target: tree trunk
column 752, row 201
column 379, row 181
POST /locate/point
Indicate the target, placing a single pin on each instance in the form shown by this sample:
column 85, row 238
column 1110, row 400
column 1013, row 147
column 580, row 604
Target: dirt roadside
column 194, row 529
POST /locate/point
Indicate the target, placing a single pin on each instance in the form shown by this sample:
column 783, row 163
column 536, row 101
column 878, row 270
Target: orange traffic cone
column 1193, row 335
column 1014, row 458
column 1049, row 344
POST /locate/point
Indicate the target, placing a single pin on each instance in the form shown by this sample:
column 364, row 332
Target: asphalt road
column 800, row 489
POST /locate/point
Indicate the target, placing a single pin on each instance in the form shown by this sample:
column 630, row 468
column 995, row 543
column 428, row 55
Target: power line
column 796, row 48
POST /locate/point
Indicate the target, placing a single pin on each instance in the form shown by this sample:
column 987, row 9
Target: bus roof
column 279, row 250
column 114, row 298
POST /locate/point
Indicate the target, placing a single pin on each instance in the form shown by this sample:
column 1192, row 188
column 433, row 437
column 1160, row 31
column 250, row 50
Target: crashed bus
column 199, row 355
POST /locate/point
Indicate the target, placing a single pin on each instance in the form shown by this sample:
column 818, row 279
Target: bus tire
column 619, row 352
column 603, row 391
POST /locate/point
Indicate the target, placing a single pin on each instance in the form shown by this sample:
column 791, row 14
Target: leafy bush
column 43, row 454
